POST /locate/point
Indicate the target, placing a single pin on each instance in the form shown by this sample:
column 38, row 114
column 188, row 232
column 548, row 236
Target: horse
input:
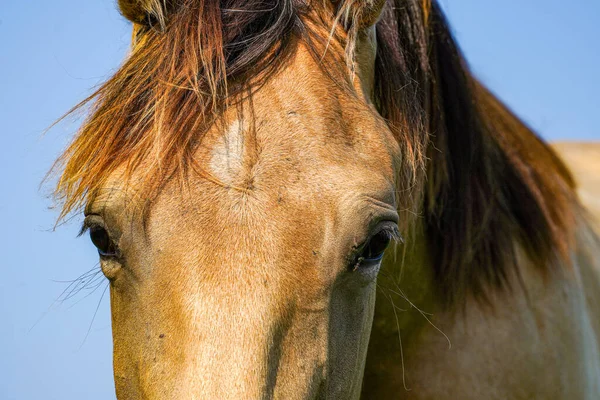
column 318, row 200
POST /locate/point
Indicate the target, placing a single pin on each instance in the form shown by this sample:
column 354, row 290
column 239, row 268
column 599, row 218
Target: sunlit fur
column 483, row 202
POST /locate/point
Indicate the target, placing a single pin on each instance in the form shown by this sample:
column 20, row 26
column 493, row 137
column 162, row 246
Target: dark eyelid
column 88, row 210
column 91, row 221
column 388, row 227
column 382, row 215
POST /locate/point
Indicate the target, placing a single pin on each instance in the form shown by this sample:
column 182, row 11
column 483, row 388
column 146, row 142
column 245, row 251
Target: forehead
column 305, row 114
column 302, row 133
column 300, row 138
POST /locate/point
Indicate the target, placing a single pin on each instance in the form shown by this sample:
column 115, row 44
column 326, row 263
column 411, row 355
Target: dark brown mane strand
column 491, row 182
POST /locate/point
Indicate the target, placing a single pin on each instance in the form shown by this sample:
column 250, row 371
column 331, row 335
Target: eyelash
column 86, row 226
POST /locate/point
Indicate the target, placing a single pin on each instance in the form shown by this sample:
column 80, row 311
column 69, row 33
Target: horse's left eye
column 375, row 248
column 371, row 253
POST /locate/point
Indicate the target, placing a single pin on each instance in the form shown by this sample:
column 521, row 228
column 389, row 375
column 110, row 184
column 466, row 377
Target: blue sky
column 540, row 56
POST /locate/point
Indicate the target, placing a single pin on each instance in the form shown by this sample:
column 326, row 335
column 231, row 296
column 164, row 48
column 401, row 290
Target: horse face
column 252, row 274
column 255, row 279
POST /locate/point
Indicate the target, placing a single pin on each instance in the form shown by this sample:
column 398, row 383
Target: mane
column 480, row 178
column 492, row 185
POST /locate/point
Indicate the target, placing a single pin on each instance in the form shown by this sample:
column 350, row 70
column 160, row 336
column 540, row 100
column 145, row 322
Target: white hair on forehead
column 227, row 159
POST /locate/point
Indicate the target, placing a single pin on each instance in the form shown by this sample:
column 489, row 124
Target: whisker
column 94, row 317
column 80, row 286
column 423, row 313
column 92, row 291
column 74, row 286
column 401, row 347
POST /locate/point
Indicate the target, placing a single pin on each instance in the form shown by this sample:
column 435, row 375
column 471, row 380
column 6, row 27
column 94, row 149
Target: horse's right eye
column 102, row 241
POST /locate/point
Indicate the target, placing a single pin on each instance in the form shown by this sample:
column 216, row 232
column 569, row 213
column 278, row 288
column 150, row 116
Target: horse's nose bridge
column 235, row 329
column 246, row 338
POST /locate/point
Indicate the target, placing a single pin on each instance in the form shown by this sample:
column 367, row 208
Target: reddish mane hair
column 480, row 178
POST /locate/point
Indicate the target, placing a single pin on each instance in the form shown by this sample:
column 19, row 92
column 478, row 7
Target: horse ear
column 147, row 12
